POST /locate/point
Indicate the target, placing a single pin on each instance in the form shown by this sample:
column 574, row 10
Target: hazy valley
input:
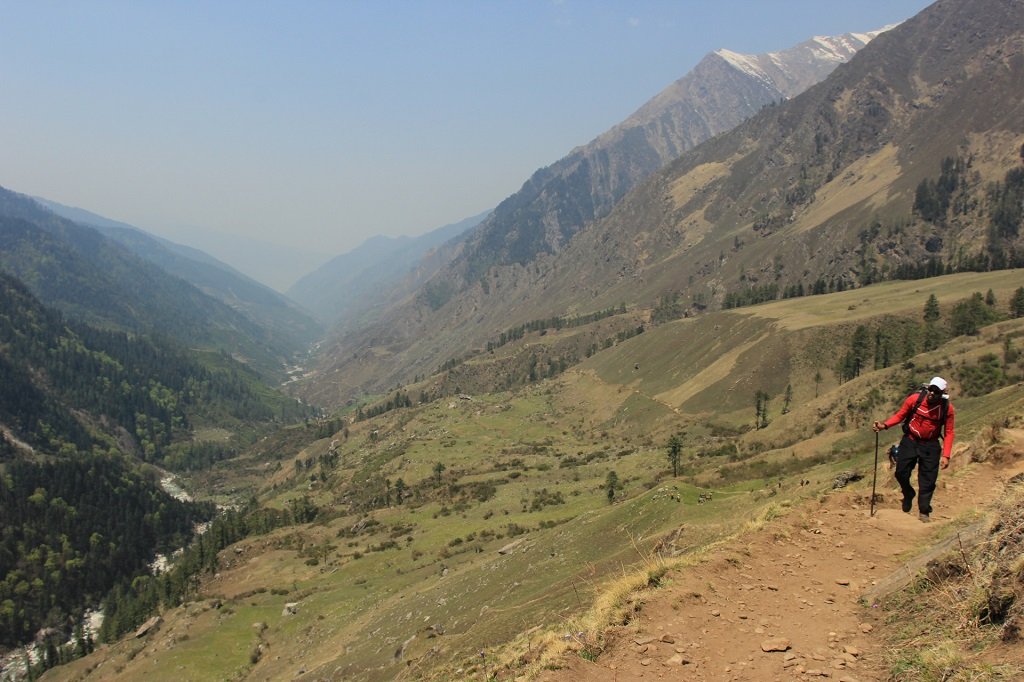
column 485, row 452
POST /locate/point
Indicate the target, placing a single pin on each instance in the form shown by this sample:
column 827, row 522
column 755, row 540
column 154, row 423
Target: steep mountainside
column 829, row 187
column 92, row 278
column 81, row 410
column 84, row 412
column 67, row 386
column 288, row 325
column 904, row 162
column 361, row 283
column 721, row 91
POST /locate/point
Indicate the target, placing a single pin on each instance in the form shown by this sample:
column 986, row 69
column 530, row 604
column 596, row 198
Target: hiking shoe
column 908, row 503
column 925, row 518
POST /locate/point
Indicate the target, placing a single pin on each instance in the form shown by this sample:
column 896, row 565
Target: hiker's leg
column 906, row 459
column 927, row 475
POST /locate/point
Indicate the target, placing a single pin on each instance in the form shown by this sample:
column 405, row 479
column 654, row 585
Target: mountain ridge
column 535, row 224
column 757, row 164
column 713, row 97
column 90, row 277
column 349, row 286
column 273, row 311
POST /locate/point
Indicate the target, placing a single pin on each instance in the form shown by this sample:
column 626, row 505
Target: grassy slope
column 366, row 614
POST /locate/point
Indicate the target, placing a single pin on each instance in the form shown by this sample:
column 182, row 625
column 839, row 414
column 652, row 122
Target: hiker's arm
column 907, row 405
column 947, row 438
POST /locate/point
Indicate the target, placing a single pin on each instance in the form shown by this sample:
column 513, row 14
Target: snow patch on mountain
column 770, row 67
column 745, row 63
column 835, row 49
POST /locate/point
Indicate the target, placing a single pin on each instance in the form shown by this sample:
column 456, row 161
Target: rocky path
column 784, row 602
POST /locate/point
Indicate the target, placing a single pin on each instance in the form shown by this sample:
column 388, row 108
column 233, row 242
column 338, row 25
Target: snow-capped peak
column 743, row 62
column 791, row 70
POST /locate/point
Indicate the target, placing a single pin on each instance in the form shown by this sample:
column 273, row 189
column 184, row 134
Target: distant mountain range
column 724, row 89
column 287, row 323
column 356, row 288
column 353, row 287
column 116, row 276
column 530, row 228
column 277, row 264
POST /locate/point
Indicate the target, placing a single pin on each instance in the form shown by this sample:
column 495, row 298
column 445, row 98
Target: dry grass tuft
column 616, row 604
column 960, row 620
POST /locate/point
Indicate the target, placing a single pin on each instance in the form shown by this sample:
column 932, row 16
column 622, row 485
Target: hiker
column 927, row 416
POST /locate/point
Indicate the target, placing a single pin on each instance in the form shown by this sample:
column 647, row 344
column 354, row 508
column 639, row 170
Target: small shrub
column 542, row 498
column 515, row 529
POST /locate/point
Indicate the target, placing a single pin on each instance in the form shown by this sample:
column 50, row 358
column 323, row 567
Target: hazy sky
column 318, row 124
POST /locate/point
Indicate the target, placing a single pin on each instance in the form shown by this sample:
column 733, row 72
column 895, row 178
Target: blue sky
column 318, row 124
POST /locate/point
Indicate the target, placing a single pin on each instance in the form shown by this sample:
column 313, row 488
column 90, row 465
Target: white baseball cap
column 939, row 383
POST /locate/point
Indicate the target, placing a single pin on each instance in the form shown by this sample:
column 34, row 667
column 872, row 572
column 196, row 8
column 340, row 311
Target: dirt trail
column 794, row 583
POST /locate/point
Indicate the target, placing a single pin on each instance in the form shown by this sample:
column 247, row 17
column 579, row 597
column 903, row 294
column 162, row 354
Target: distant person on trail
column 927, row 417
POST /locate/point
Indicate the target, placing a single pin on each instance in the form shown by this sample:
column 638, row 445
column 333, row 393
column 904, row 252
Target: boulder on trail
column 775, row 644
column 845, row 478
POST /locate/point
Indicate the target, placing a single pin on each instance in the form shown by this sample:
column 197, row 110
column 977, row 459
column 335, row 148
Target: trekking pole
column 874, row 476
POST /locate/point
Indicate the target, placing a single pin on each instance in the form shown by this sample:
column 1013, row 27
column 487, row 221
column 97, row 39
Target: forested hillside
column 91, row 278
column 82, row 412
column 285, row 325
column 72, row 529
column 68, row 386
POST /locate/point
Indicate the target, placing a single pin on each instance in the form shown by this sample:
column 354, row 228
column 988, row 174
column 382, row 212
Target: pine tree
column 969, row 315
column 859, row 347
column 931, row 319
column 761, row 409
column 931, row 310
column 1017, row 303
column 675, row 449
column 611, row 485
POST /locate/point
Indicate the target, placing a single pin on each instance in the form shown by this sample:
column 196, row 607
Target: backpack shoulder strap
column 920, row 399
